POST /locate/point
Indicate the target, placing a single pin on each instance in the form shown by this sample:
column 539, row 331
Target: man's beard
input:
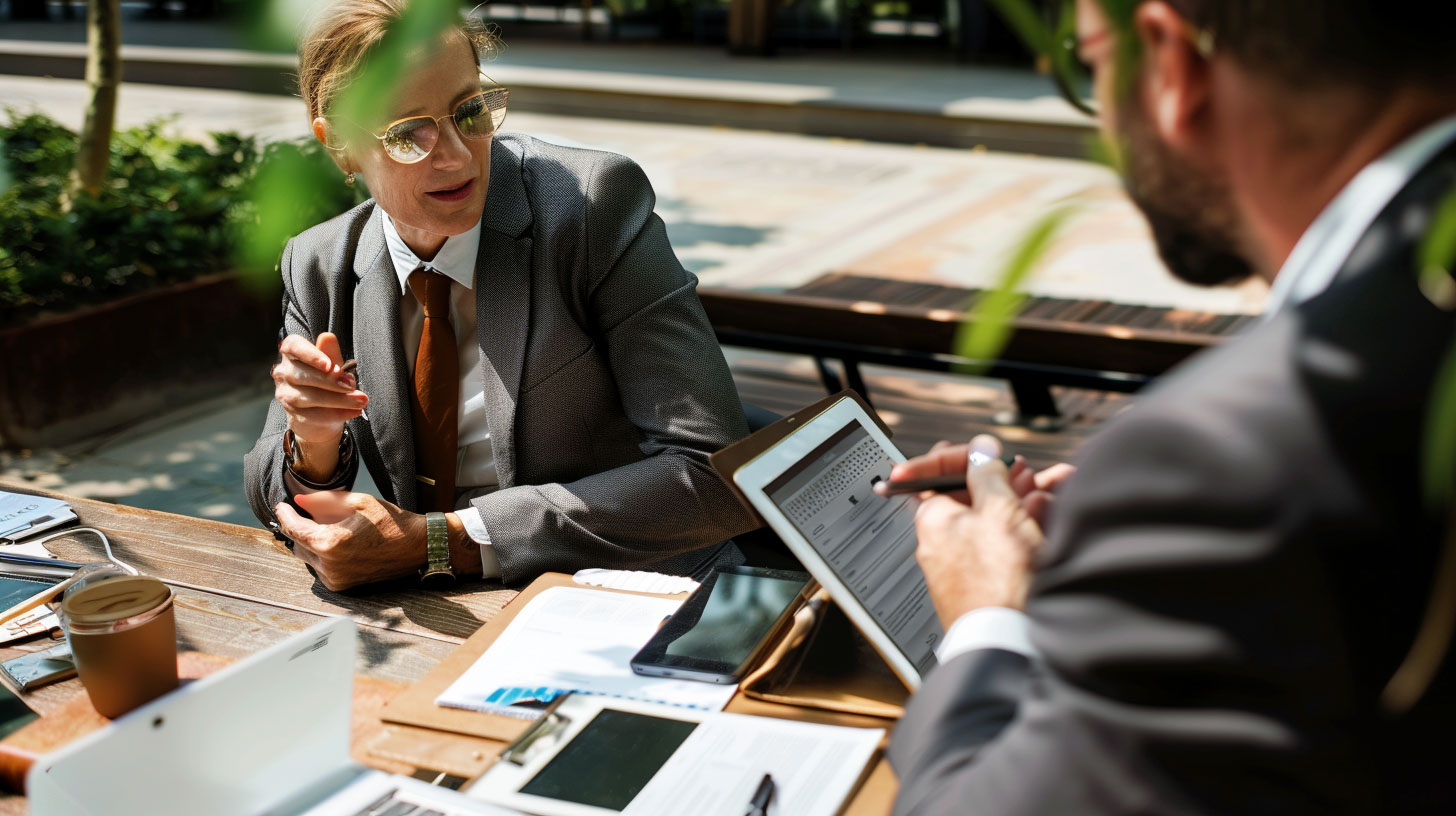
column 1191, row 215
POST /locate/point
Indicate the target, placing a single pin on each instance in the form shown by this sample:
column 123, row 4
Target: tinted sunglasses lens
column 411, row 140
column 473, row 118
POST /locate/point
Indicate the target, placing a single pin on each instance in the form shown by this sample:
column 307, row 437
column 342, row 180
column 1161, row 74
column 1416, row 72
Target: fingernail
column 985, row 447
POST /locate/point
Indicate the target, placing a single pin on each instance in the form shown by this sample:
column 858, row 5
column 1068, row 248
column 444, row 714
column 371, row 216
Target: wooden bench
column 1056, row 341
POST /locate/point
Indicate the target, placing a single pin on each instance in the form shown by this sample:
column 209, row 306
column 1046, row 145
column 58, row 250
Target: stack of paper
column 23, row 516
column 575, row 640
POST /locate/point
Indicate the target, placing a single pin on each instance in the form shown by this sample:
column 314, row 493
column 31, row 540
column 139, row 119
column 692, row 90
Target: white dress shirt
column 1310, row 268
column 475, row 458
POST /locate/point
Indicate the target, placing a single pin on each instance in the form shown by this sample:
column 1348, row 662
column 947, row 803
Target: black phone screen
column 720, row 627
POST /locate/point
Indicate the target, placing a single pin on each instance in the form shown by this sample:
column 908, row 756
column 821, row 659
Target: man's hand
column 354, row 538
column 976, row 546
column 318, row 397
column 1036, row 488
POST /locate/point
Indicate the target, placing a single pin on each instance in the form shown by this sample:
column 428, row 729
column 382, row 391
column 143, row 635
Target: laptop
column 814, row 488
column 267, row 736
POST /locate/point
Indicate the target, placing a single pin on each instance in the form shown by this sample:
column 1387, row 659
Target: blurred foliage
column 4, row 169
column 291, row 192
column 1437, row 259
column 370, row 96
column 984, row 336
column 295, row 186
column 1028, row 23
column 170, row 210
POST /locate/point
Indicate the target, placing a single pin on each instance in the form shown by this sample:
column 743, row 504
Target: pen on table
column 940, row 484
column 758, row 805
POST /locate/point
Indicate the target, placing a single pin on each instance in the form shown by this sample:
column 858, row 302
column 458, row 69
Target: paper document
column 635, row 581
column 22, row 516
column 717, row 768
column 575, row 640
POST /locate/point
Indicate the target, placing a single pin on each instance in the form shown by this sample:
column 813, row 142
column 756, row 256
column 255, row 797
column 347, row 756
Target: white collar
column 1331, row 237
column 456, row 259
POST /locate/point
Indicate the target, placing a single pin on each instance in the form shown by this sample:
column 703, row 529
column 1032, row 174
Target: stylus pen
column 940, row 484
column 37, row 561
column 758, row 805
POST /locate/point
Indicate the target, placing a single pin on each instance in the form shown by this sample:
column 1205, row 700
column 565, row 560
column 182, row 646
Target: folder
column 416, row 705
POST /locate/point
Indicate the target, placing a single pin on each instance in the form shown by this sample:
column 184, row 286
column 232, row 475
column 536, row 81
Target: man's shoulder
column 1247, row 389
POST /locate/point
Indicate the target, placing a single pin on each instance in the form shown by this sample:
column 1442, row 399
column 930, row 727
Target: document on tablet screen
column 868, row 540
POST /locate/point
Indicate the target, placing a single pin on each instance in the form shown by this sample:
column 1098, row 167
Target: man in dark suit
column 1223, row 616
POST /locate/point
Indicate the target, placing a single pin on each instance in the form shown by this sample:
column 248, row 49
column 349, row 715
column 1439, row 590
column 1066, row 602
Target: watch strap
column 437, row 548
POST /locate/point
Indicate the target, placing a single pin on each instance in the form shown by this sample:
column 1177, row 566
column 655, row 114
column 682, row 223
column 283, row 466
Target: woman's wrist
column 316, row 461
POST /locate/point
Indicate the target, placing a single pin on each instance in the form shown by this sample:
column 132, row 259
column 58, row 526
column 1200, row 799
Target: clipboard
column 728, row 460
column 416, row 704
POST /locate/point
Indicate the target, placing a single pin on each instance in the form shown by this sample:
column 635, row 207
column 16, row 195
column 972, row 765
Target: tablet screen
column 868, row 540
column 611, row 760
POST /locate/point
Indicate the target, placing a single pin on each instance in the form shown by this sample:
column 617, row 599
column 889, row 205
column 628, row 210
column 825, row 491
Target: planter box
column 67, row 377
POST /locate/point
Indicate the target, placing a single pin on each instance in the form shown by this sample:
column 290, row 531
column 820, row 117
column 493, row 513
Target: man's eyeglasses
column 411, row 139
column 1073, row 75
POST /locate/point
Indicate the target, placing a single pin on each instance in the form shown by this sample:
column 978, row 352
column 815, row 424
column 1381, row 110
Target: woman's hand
column 354, row 538
column 318, row 397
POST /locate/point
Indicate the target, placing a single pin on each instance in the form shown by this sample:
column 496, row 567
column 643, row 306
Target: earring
column 349, row 180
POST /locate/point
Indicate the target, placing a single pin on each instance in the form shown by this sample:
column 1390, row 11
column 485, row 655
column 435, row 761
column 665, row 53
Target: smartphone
column 723, row 626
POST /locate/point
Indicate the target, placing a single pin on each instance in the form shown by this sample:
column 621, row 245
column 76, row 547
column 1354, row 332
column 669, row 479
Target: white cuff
column 991, row 627
column 475, row 528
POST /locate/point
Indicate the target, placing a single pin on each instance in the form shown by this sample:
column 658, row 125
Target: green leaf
column 982, row 338
column 1437, row 259
column 1021, row 17
column 1439, row 460
column 371, row 94
column 1437, row 256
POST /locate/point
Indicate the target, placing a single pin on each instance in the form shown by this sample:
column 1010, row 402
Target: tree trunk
column 103, row 75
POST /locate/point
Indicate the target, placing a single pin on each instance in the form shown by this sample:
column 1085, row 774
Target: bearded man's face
column 1194, row 223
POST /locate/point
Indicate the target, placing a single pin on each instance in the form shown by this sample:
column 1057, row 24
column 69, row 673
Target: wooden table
column 248, row 592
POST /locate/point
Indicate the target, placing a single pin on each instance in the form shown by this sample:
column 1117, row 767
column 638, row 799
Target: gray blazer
column 1229, row 581
column 605, row 388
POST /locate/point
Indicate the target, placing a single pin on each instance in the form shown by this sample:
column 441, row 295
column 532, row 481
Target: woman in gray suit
column 503, row 336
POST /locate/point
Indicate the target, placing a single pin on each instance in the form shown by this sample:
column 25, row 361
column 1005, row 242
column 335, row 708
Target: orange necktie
column 436, row 394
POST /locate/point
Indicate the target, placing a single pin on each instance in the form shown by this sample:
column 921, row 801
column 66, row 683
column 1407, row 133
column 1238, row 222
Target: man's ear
column 324, row 133
column 1175, row 78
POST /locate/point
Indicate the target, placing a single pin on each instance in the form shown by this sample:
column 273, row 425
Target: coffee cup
column 123, row 635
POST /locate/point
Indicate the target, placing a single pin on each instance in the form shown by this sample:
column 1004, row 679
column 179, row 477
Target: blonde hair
column 343, row 36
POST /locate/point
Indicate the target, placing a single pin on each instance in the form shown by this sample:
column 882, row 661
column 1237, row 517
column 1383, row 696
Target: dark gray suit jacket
column 605, row 388
column 1230, row 579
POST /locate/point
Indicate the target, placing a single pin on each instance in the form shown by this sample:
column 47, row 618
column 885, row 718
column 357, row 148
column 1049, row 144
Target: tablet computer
column 813, row 487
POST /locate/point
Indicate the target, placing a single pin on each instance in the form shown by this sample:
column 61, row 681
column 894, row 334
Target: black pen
column 758, row 805
column 940, row 484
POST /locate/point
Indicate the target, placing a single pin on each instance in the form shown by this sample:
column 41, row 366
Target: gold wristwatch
column 437, row 571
